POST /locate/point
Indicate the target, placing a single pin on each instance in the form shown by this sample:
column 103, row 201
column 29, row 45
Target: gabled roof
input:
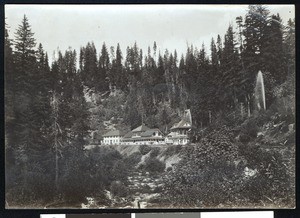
column 150, row 132
column 182, row 125
column 171, row 134
column 141, row 128
column 113, row 133
column 186, row 121
column 128, row 135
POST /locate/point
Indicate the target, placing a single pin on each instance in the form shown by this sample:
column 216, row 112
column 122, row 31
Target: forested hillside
column 51, row 109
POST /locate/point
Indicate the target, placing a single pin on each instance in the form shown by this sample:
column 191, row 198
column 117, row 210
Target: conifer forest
column 241, row 150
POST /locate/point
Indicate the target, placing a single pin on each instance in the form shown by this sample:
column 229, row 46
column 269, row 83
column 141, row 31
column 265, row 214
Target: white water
column 260, row 99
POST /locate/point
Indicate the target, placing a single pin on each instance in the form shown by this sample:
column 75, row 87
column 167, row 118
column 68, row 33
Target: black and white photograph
column 149, row 106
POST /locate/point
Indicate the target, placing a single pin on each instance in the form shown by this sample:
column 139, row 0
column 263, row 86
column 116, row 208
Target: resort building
column 179, row 131
column 112, row 137
column 143, row 135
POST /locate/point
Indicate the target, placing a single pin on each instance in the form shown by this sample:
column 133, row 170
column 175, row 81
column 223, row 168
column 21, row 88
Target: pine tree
column 25, row 123
column 25, row 55
column 214, row 54
column 219, row 49
column 9, row 81
column 89, row 66
column 121, row 79
column 254, row 31
column 272, row 50
column 230, row 68
column 239, row 22
column 104, row 70
column 289, row 46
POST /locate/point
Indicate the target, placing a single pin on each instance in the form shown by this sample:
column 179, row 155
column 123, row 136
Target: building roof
column 113, row 133
column 142, row 132
column 186, row 121
column 150, row 132
column 174, row 135
column 182, row 125
column 144, row 138
column 128, row 135
column 141, row 128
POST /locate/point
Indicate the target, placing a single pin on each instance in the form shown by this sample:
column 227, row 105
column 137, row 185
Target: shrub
column 154, row 152
column 120, row 170
column 154, row 165
column 172, row 150
column 117, row 188
column 169, row 169
column 133, row 159
column 249, row 129
column 144, row 149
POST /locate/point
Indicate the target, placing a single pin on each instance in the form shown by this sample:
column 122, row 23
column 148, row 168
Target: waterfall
column 259, row 93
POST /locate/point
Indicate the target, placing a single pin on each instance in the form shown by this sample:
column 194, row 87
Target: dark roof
column 150, row 132
column 113, row 133
column 128, row 135
column 143, row 138
column 141, row 128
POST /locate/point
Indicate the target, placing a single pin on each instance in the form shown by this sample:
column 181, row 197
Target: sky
column 171, row 26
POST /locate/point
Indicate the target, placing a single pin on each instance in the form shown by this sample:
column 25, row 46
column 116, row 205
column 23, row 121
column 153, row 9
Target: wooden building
column 143, row 135
column 112, row 137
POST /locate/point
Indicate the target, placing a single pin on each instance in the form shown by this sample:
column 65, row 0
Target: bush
column 117, row 188
column 154, row 165
column 172, row 150
column 120, row 170
column 249, row 130
column 169, row 169
column 74, row 183
column 144, row 149
column 154, row 152
column 133, row 159
column 272, row 181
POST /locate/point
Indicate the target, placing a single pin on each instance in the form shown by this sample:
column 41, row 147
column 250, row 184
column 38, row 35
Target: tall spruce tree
column 25, row 122
column 254, row 32
column 120, row 76
column 289, row 46
column 9, row 83
column 104, row 68
column 89, row 66
column 272, row 50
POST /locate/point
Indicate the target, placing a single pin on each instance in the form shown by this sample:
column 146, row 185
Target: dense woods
column 51, row 109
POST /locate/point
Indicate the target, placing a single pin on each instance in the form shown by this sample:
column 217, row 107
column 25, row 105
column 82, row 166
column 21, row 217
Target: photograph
column 162, row 106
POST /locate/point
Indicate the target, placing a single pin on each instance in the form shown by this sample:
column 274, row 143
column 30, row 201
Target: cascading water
column 260, row 99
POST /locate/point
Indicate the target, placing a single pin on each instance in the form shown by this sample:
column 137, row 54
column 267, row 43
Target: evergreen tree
column 214, row 54
column 25, row 55
column 254, row 32
column 239, row 22
column 219, row 49
column 272, row 50
column 231, row 68
column 289, row 46
column 9, row 81
column 104, row 70
column 89, row 66
column 121, row 79
column 25, row 122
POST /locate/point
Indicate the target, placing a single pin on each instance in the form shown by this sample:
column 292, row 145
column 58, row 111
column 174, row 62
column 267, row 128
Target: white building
column 112, row 137
column 179, row 131
column 144, row 135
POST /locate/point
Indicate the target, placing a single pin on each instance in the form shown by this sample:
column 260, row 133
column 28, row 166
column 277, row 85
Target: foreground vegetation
column 239, row 156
